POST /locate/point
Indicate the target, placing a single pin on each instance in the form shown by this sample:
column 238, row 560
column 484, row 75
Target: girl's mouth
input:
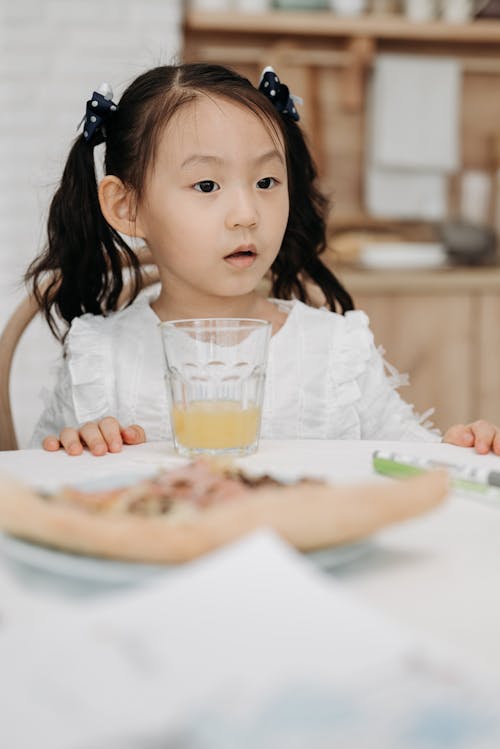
column 241, row 257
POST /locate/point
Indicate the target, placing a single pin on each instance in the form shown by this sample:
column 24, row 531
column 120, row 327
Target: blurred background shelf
column 328, row 60
column 324, row 23
column 438, row 325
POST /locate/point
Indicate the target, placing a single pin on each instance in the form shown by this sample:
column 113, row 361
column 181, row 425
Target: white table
column 265, row 615
column 439, row 573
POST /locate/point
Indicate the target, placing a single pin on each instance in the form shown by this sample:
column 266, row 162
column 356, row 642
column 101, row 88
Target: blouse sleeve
column 383, row 413
column 83, row 387
column 59, row 410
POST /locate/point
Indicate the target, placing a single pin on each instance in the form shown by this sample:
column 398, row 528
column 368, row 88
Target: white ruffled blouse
column 325, row 378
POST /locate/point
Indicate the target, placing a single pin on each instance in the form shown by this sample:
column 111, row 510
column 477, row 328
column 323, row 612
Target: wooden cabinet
column 443, row 328
column 488, row 355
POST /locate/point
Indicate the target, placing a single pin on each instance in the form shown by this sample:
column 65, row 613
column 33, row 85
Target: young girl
column 216, row 178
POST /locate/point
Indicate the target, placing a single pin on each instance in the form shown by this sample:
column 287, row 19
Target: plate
column 76, row 566
column 403, row 255
column 73, row 568
column 336, row 556
column 109, row 572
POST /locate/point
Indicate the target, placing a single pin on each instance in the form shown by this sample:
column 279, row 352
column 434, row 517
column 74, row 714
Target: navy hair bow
column 279, row 94
column 97, row 111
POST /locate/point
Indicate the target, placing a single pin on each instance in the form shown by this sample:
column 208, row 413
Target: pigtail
column 305, row 235
column 81, row 268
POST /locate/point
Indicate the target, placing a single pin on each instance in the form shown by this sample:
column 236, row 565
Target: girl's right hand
column 100, row 437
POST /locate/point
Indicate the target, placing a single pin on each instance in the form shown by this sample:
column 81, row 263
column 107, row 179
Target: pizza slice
column 184, row 512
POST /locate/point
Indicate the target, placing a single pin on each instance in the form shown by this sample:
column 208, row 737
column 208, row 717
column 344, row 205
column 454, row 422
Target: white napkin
column 413, row 136
column 249, row 647
column 416, row 113
column 401, row 193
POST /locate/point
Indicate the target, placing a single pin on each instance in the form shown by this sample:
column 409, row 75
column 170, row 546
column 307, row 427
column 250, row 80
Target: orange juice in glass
column 215, row 372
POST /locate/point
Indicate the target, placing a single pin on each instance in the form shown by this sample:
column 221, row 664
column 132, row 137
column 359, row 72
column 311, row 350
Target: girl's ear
column 118, row 206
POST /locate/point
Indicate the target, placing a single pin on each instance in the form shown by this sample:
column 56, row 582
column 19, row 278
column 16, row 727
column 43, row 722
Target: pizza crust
column 308, row 516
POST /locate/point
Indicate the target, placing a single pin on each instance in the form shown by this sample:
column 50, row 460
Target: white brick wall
column 53, row 53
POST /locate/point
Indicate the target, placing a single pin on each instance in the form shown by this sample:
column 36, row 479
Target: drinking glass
column 215, row 373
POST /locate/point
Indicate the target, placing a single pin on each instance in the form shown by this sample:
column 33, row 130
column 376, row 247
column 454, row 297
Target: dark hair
column 85, row 257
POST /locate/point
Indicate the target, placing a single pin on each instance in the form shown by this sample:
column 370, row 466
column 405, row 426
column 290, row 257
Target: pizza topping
column 198, row 484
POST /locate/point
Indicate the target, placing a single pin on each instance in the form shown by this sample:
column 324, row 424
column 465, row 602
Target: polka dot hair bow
column 279, row 94
column 97, row 111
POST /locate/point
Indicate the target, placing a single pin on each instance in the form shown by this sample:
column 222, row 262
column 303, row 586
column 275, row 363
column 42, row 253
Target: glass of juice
column 215, row 373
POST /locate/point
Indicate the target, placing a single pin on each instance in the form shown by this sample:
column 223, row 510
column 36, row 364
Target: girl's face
column 216, row 205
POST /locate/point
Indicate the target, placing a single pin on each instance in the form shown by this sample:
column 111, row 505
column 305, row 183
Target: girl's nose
column 242, row 211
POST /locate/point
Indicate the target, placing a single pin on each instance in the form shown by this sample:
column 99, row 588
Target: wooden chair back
column 12, row 333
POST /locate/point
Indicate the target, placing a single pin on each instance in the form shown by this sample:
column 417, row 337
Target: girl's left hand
column 481, row 434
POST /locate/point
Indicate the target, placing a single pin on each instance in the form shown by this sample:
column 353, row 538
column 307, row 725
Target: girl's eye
column 206, row 185
column 266, row 183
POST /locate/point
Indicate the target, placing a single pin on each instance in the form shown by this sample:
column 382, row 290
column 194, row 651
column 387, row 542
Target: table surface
column 437, row 574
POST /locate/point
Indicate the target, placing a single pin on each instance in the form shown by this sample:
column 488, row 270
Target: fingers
column 70, row 441
column 496, row 443
column 100, row 438
column 111, row 432
column 481, row 434
column 484, row 435
column 51, row 443
column 134, row 435
column 460, row 435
